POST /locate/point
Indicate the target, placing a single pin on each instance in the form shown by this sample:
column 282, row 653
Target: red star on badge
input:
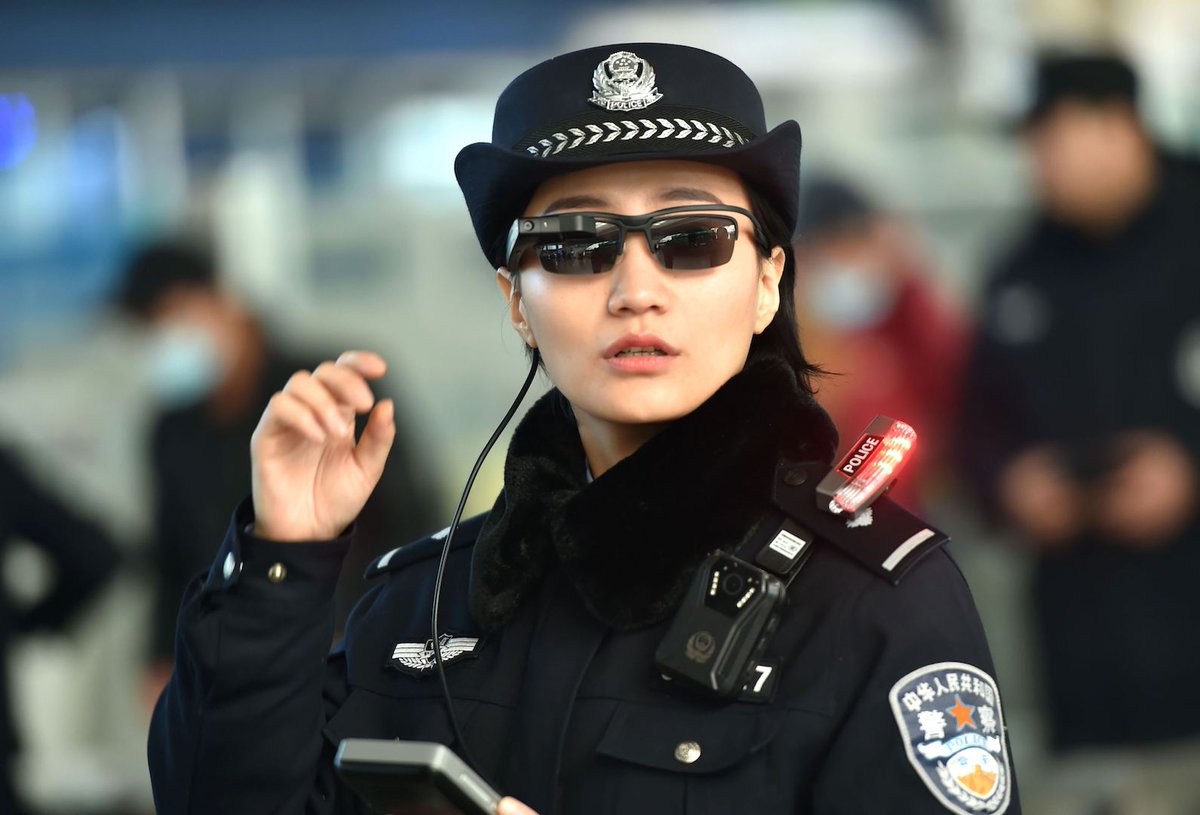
column 962, row 714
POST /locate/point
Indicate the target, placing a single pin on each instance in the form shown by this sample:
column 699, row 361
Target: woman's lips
column 640, row 353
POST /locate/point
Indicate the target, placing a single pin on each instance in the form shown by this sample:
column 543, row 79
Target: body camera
column 729, row 613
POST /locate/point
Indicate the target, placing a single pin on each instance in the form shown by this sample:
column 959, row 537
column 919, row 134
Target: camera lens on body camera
column 733, row 584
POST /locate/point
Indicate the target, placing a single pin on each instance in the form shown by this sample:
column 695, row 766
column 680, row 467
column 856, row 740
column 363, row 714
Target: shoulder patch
column 952, row 725
column 884, row 537
column 424, row 548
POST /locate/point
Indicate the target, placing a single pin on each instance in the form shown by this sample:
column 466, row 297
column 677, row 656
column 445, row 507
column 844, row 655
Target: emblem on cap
column 953, row 729
column 624, row 81
column 417, row 657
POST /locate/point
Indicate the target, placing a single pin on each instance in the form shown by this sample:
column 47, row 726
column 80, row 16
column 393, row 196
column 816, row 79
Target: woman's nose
column 638, row 281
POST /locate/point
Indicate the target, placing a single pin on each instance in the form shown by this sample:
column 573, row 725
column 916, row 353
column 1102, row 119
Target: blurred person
column 1082, row 421
column 652, row 279
column 82, row 557
column 75, row 407
column 214, row 366
column 869, row 312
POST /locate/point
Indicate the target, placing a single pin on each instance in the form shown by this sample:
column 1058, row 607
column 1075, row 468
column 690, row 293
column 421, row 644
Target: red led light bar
column 869, row 468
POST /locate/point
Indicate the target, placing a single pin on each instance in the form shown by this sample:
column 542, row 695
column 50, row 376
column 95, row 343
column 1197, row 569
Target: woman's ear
column 770, row 273
column 510, row 289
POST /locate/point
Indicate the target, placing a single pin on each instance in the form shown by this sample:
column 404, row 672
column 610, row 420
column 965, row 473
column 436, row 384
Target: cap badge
column 624, row 81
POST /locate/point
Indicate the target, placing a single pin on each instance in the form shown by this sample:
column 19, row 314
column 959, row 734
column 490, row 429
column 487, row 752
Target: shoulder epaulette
column 884, row 537
column 424, row 548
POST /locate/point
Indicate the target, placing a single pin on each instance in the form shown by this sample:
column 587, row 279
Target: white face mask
column 183, row 365
column 849, row 297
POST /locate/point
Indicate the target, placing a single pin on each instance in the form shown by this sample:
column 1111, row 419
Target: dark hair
column 1096, row 78
column 781, row 338
column 158, row 268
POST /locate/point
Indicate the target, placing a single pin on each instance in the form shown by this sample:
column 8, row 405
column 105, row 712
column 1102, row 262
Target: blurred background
column 307, row 151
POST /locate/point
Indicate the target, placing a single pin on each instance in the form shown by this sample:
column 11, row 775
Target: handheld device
column 413, row 778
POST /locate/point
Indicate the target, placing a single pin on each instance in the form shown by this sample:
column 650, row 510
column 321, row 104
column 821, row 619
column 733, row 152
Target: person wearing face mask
column 213, row 365
column 636, row 214
column 869, row 312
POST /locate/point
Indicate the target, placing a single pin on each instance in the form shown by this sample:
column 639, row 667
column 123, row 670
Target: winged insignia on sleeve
column 418, row 657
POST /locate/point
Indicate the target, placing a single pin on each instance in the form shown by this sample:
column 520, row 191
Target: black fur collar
column 630, row 540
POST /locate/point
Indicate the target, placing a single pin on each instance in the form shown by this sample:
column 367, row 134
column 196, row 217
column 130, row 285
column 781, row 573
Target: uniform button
column 794, row 477
column 687, row 752
column 229, row 565
column 277, row 573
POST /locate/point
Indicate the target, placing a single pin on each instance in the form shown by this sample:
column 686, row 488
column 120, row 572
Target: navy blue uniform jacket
column 560, row 701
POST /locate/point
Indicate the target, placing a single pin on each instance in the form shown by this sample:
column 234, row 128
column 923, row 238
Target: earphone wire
column 463, row 750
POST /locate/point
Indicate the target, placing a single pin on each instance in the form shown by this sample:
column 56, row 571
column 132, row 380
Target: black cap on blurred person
column 1094, row 78
column 831, row 205
column 160, row 267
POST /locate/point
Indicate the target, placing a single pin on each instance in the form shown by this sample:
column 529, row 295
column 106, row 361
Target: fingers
column 511, row 806
column 323, row 403
column 367, row 363
column 334, row 392
column 377, row 438
column 320, row 400
column 291, row 412
column 346, row 384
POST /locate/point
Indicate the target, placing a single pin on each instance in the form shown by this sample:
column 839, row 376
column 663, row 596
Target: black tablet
column 413, row 778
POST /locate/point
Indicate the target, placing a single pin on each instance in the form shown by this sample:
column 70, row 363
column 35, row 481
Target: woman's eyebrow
column 689, row 194
column 575, row 202
column 671, row 194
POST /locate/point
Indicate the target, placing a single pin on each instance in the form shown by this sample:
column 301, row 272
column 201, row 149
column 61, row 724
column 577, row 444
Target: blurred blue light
column 18, row 129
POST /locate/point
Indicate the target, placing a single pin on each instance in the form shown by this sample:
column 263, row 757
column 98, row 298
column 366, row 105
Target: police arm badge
column 950, row 718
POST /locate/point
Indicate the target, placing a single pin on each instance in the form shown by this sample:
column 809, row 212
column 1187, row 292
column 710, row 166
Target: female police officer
column 679, row 425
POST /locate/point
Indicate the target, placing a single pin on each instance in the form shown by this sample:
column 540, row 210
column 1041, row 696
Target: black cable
column 463, row 750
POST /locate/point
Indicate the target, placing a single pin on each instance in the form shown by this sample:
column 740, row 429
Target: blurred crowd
column 1053, row 376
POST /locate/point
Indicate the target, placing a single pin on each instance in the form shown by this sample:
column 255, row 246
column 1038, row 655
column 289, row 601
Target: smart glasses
column 687, row 238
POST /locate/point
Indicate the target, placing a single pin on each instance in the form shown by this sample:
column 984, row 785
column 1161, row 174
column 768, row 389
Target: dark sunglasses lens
column 578, row 256
column 581, row 256
column 694, row 242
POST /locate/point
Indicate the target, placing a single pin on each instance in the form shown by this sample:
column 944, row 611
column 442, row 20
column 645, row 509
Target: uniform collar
column 630, row 540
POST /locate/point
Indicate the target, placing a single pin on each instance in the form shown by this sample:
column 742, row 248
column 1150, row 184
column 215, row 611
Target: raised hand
column 310, row 479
